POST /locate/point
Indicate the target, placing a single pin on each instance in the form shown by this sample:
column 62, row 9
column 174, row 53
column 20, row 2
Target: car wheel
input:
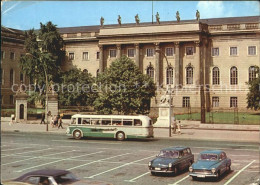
column 120, row 136
column 153, row 173
column 228, row 168
column 77, row 134
column 194, row 178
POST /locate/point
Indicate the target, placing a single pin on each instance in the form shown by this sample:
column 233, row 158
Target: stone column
column 177, row 64
column 198, row 69
column 137, row 62
column 157, row 64
column 118, row 51
column 101, row 59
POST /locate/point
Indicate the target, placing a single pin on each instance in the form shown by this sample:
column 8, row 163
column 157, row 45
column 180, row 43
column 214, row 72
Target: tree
column 253, row 97
column 124, row 89
column 76, row 88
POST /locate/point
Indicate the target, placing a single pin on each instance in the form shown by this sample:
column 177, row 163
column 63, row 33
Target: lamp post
column 169, row 91
column 47, row 85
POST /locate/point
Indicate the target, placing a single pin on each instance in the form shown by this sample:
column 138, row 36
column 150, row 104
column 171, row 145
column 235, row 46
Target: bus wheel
column 77, row 134
column 120, row 136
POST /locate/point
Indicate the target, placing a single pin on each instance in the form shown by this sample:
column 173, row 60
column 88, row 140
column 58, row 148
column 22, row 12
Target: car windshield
column 65, row 178
column 209, row 157
column 169, row 154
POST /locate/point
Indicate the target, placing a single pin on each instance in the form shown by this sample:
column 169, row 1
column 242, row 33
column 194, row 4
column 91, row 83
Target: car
column 171, row 160
column 52, row 177
column 210, row 163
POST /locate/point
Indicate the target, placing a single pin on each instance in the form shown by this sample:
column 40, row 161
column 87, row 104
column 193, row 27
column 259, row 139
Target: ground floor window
column 233, row 101
column 186, row 102
column 215, row 101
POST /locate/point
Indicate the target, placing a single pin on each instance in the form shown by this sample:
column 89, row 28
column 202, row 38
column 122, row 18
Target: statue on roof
column 102, row 21
column 137, row 20
column 198, row 15
column 157, row 18
column 119, row 20
column 178, row 16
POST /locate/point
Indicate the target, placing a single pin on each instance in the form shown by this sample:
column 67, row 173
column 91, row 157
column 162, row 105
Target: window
column 85, row 71
column 215, row 76
column 127, row 122
column 189, row 75
column 169, row 75
column 189, row 50
column 186, row 102
column 86, row 121
column 215, row 101
column 252, row 73
column 233, row 101
column 130, row 52
column 33, row 180
column 71, row 56
column 137, row 122
column 85, row 56
column 11, row 99
column 233, row 76
column 98, row 55
column 233, row 51
column 11, row 77
column 169, row 51
column 251, row 50
column 150, row 71
column 2, row 55
column 150, row 52
column 12, row 55
column 215, row 51
column 21, row 77
column 112, row 53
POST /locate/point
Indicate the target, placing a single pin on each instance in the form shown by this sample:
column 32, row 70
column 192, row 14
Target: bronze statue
column 178, row 16
column 102, row 21
column 137, row 20
column 198, row 15
column 119, row 20
column 157, row 18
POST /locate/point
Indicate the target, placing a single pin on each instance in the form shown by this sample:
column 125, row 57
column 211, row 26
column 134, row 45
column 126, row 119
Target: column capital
column 198, row 43
column 118, row 46
column 100, row 47
column 136, row 45
column 157, row 45
column 176, row 44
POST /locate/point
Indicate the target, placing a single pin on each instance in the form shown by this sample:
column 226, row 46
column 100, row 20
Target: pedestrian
column 179, row 127
column 174, row 125
column 43, row 118
column 55, row 121
column 52, row 121
column 60, row 122
column 12, row 119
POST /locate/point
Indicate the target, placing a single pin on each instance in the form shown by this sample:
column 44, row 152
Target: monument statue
column 102, row 21
column 178, row 16
column 119, row 20
column 157, row 18
column 137, row 20
column 198, row 15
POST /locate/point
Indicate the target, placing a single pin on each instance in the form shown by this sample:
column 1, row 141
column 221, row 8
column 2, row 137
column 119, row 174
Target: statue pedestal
column 163, row 119
column 21, row 106
column 53, row 103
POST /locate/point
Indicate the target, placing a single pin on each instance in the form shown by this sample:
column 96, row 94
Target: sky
column 26, row 15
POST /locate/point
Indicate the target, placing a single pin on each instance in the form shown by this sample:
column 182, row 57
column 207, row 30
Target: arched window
column 150, row 71
column 169, row 75
column 189, row 75
column 215, row 76
column 252, row 73
column 85, row 71
column 11, row 77
column 233, row 76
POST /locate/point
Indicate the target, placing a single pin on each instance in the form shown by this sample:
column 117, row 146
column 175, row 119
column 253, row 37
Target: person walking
column 43, row 118
column 179, row 127
column 174, row 125
column 60, row 122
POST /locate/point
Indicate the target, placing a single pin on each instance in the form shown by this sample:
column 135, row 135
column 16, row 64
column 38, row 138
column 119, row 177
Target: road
column 118, row 162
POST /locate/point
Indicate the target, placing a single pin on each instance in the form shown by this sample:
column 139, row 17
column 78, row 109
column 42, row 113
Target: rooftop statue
column 178, row 16
column 157, row 18
column 119, row 20
column 198, row 15
column 137, row 20
column 102, row 21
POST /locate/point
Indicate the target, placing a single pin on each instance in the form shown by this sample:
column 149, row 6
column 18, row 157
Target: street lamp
column 169, row 90
column 47, row 85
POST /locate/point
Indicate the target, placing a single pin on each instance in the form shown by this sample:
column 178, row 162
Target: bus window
column 127, row 122
column 137, row 122
column 116, row 122
column 73, row 121
column 79, row 120
column 106, row 122
column 86, row 121
column 95, row 121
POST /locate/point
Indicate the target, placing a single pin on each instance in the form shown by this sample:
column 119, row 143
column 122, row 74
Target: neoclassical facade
column 205, row 63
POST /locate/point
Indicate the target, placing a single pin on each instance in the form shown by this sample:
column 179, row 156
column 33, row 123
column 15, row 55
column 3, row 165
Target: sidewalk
column 189, row 131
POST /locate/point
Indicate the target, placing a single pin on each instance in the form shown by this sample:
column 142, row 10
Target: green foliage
column 124, row 89
column 75, row 88
column 253, row 97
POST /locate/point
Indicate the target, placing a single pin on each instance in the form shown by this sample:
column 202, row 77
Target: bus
column 120, row 127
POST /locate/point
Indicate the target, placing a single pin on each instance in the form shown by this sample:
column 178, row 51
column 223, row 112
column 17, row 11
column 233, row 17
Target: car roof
column 176, row 148
column 212, row 151
column 45, row 172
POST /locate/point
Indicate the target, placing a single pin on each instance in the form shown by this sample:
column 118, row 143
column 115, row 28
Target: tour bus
column 110, row 126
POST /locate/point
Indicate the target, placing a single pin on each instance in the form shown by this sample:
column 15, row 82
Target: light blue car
column 211, row 163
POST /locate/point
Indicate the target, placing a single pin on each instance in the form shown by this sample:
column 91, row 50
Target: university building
column 205, row 63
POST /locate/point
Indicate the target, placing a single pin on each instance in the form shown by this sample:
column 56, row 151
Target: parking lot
column 117, row 162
